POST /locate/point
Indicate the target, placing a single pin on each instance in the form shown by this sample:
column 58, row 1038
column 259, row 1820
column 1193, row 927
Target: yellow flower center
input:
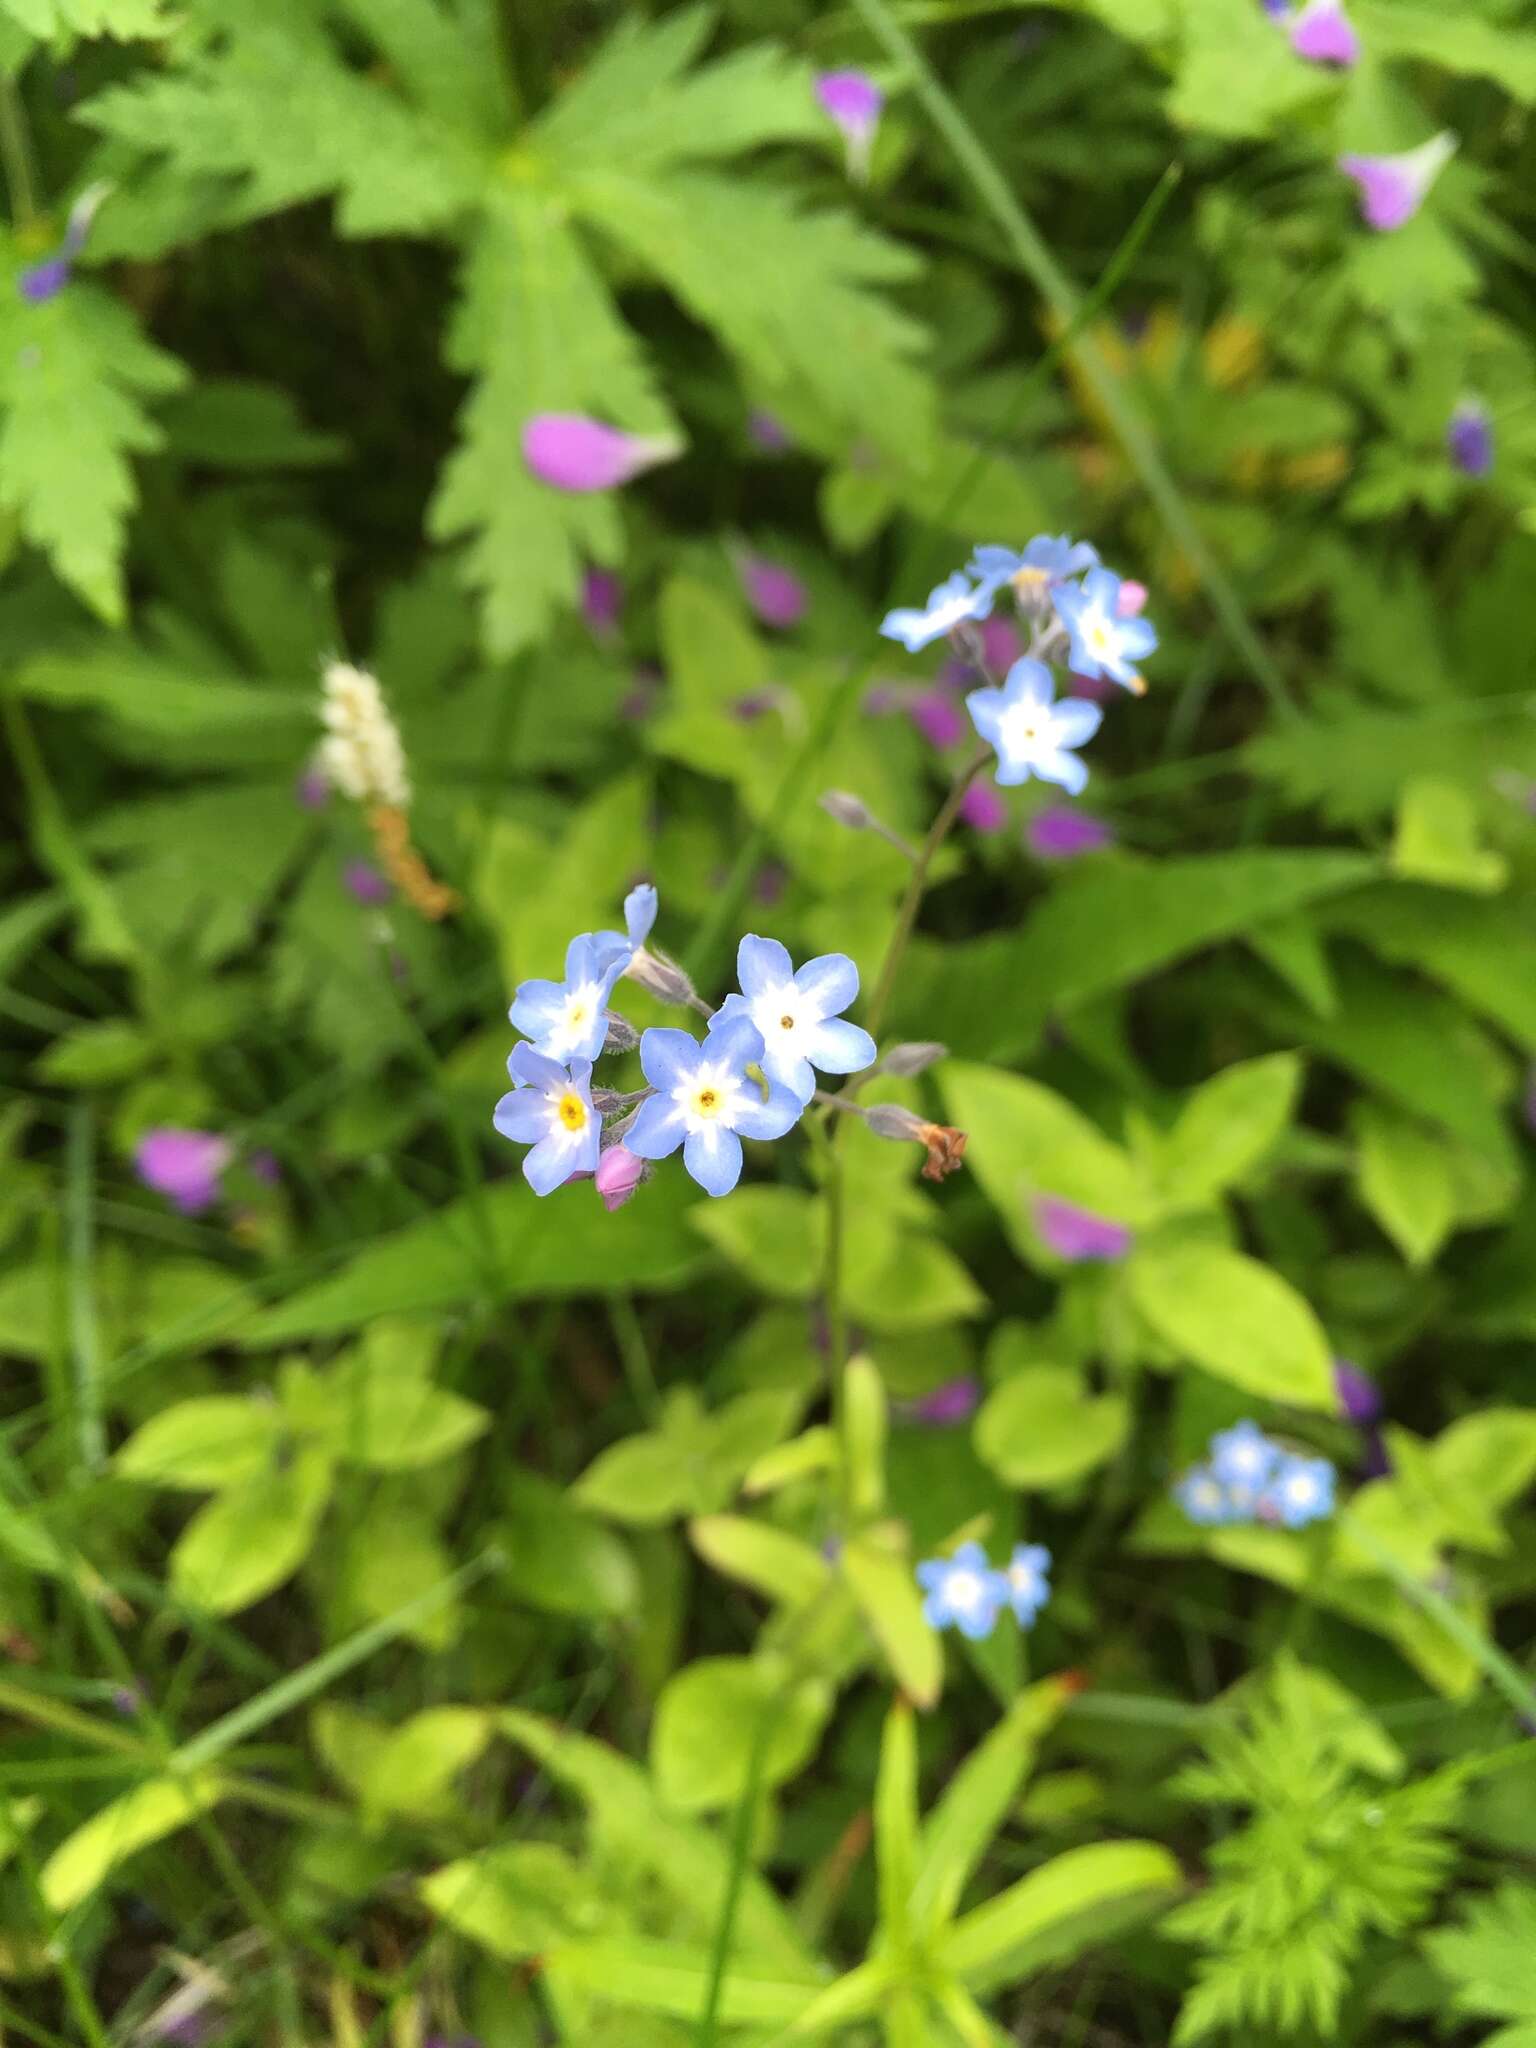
column 707, row 1102
column 573, row 1111
column 786, row 1023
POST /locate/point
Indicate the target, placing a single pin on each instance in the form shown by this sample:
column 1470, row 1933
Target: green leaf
column 1489, row 1456
column 562, row 1560
column 517, row 1899
column 1407, row 1180
column 1042, row 1427
column 919, row 1283
column 1484, row 952
column 772, row 1562
column 707, row 1721
column 393, row 1558
column 1235, row 76
column 989, row 998
column 645, row 1480
column 1227, row 1126
column 121, row 18
column 406, row 1770
column 95, row 1055
column 978, row 1799
column 1077, row 1899
column 86, row 1858
column 883, row 1585
column 1463, row 44
column 865, row 1418
column 665, row 1977
column 217, row 1440
column 74, row 373
column 383, row 1415
column 773, row 1235
column 1487, row 1956
column 1436, row 839
column 536, row 329
column 896, row 1825
column 1236, row 1318
column 252, row 1537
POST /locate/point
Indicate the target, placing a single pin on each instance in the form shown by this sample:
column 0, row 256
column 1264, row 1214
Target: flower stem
column 917, row 882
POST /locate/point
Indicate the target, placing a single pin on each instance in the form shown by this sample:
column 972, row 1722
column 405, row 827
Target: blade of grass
column 1500, row 1671
column 741, row 1843
column 1035, row 259
column 728, row 902
column 84, row 1347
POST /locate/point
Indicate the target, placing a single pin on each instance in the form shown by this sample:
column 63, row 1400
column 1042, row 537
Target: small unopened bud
column 663, row 977
column 622, row 1035
column 945, row 1146
column 847, row 809
column 619, row 1173
column 915, row 1057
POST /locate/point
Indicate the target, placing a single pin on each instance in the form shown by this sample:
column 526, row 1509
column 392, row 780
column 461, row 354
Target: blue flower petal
column 536, row 1006
column 790, row 1073
column 522, row 1116
column 734, row 1039
column 829, row 983
column 658, row 1129
column 640, row 912
column 713, row 1157
column 838, row 1047
column 1029, row 681
column 762, row 964
column 554, row 1159
column 771, row 1119
column 1076, row 721
column 527, row 1064
column 1062, row 768
column 667, row 1055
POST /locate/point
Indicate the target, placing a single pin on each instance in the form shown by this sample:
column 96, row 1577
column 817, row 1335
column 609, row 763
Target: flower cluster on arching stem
column 751, row 1076
column 1250, row 1477
column 1083, row 618
column 964, row 1591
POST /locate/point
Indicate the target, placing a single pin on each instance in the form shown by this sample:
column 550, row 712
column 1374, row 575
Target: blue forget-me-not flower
column 706, row 1101
column 797, row 1014
column 951, row 604
column 962, row 1592
column 550, row 1108
column 1045, row 561
column 1252, row 1478
column 1301, row 1491
column 1032, row 733
column 568, row 1019
column 1026, row 1586
column 1102, row 641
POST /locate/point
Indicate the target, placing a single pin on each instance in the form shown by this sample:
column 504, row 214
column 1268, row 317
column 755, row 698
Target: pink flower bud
column 618, row 1174
column 983, row 809
column 1132, row 600
column 575, row 453
column 1078, row 1234
column 775, row 593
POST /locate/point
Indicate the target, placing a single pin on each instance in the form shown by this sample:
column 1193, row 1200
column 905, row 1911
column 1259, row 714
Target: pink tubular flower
column 1359, row 1397
column 938, row 718
column 983, row 809
column 365, row 883
column 1323, row 33
column 618, row 1175
column 775, row 593
column 602, row 600
column 1132, row 601
column 853, row 101
column 1001, row 644
column 1392, row 188
column 184, row 1166
column 1062, row 833
column 1077, row 1234
column 574, row 453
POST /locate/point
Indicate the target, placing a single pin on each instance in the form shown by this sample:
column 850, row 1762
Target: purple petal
column 775, row 593
column 311, row 791
column 43, row 281
column 182, row 1165
column 1061, row 832
column 851, row 98
column 1077, row 1234
column 1359, row 1396
column 1469, row 439
column 955, row 1402
column 767, row 431
column 983, row 809
column 1001, row 644
column 938, row 718
column 575, row 453
column 602, row 600
column 1323, row 34
column 365, row 883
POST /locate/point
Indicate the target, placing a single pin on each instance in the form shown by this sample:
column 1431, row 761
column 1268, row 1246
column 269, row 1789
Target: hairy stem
column 917, row 882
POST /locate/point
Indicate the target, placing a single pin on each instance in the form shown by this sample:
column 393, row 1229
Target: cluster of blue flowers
column 750, row 1077
column 1082, row 614
column 965, row 1592
column 1248, row 1477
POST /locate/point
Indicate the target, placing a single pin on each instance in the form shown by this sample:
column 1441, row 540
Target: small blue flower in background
column 797, row 1015
column 950, row 605
column 1203, row 1497
column 640, row 913
column 567, row 1019
column 704, row 1098
column 1251, row 1478
column 1103, row 643
column 1301, row 1491
column 1047, row 560
column 962, row 1592
column 1032, row 733
column 1026, row 1585
column 550, row 1109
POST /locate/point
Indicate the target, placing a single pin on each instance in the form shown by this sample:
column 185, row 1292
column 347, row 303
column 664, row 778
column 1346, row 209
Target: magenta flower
column 853, row 101
column 1469, row 438
column 365, row 883
column 775, row 593
column 1077, row 1234
column 938, row 718
column 1323, row 33
column 1359, row 1396
column 184, row 1166
column 1392, row 188
column 311, row 791
column 574, row 453
column 618, row 1175
column 955, row 1402
column 40, row 282
column 1061, row 832
column 1001, row 643
column 264, row 1165
column 1132, row 601
column 767, row 431
column 983, row 809
column 602, row 600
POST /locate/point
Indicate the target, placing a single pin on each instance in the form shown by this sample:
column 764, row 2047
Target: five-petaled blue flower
column 797, row 1015
column 1203, row 1498
column 950, row 605
column 1300, row 1491
column 550, row 1109
column 1243, row 1459
column 1103, row 643
column 1026, row 1586
column 1032, row 733
column 1048, row 559
column 962, row 1592
column 704, row 1098
column 567, row 1019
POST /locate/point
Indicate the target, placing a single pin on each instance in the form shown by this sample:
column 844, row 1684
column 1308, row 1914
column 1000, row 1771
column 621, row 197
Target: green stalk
column 1035, row 259
column 741, row 1842
column 1501, row 1672
column 84, row 1346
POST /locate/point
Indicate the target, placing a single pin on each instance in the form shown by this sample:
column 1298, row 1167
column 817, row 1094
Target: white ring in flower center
column 964, row 1589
